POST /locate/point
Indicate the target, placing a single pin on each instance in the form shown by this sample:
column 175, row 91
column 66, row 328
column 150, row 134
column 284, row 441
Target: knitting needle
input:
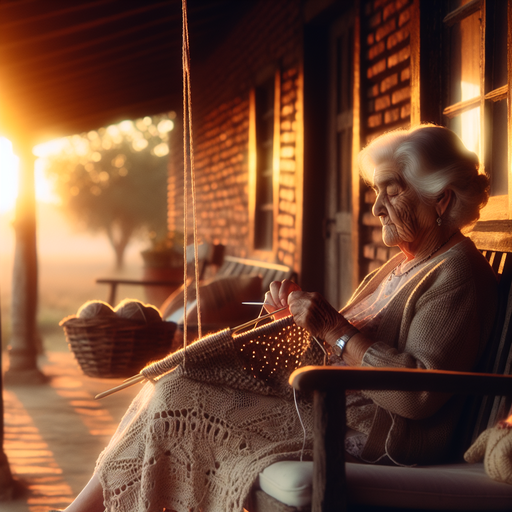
column 126, row 384
column 139, row 378
column 256, row 320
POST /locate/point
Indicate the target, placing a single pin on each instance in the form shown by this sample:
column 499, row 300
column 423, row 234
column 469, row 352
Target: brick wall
column 267, row 37
column 287, row 216
column 270, row 36
column 385, row 97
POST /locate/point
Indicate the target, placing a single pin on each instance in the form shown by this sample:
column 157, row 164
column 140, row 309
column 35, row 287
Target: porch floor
column 55, row 431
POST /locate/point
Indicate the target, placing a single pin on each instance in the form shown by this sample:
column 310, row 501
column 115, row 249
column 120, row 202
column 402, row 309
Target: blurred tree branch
column 114, row 180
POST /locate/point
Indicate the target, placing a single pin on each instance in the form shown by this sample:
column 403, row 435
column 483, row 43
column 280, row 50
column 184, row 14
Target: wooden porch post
column 23, row 349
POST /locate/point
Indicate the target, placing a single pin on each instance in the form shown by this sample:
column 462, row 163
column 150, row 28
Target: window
column 264, row 162
column 476, row 82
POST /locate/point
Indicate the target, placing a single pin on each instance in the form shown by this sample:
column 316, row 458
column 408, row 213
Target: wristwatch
column 341, row 342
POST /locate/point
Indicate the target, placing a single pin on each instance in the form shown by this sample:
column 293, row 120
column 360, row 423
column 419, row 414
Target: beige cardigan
column 440, row 319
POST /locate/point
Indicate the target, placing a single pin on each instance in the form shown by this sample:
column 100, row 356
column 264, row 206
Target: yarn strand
column 185, row 184
column 188, row 154
column 192, row 171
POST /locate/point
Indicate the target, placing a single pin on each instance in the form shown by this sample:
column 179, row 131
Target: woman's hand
column 314, row 313
column 309, row 310
column 277, row 296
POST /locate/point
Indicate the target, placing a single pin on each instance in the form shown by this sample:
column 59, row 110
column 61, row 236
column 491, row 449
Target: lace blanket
column 197, row 438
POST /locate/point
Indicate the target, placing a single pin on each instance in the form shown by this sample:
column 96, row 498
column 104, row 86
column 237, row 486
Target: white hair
column 430, row 159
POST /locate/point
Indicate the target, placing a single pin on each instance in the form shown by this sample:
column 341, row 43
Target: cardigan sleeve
column 441, row 328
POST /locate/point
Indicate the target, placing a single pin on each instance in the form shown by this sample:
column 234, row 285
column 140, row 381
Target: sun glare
column 8, row 176
column 44, row 187
column 85, row 147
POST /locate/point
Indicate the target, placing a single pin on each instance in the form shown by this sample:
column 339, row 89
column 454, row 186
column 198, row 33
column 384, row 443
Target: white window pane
column 465, row 59
column 467, row 127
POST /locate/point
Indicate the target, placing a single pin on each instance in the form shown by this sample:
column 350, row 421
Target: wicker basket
column 114, row 347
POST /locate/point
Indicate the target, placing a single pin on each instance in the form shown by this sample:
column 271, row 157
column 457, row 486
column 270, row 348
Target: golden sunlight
column 9, row 179
column 88, row 147
column 470, row 120
column 44, row 187
column 8, row 176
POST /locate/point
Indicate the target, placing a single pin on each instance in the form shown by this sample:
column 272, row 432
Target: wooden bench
column 233, row 266
column 212, row 256
column 337, row 486
column 208, row 255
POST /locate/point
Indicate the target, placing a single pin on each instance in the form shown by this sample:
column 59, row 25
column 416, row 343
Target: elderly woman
column 431, row 306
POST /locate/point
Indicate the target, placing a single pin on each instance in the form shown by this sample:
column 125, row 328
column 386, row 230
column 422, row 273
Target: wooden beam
column 356, row 147
column 462, row 12
column 39, row 18
column 73, row 49
column 73, row 29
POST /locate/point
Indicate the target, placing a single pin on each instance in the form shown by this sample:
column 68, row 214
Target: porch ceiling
column 68, row 67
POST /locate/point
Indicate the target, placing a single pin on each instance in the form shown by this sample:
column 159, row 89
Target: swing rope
column 263, row 357
column 188, row 157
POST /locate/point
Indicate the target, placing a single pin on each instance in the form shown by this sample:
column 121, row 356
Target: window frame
column 428, row 86
column 271, row 253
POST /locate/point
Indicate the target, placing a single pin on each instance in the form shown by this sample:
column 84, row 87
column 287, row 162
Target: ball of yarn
column 498, row 457
column 94, row 308
column 133, row 309
column 494, row 446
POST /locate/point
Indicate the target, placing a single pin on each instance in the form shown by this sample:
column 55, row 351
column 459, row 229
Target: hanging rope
column 188, row 155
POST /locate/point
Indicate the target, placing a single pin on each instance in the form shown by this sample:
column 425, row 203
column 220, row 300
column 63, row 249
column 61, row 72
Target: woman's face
column 405, row 218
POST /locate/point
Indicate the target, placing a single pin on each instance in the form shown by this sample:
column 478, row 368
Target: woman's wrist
column 353, row 344
column 355, row 349
column 342, row 327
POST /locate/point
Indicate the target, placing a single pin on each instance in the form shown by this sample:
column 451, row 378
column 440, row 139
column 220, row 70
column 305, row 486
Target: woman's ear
column 443, row 201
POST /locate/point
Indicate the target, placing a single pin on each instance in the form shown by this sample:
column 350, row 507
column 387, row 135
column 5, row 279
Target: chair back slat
column 234, row 266
column 495, row 261
column 503, row 365
column 485, row 411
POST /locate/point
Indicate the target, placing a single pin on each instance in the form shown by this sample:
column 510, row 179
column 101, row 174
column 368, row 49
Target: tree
column 113, row 180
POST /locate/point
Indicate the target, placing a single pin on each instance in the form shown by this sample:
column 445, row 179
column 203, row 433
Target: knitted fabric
column 494, row 447
column 198, row 437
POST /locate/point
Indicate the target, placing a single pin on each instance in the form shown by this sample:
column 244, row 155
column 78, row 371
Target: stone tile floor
column 55, row 431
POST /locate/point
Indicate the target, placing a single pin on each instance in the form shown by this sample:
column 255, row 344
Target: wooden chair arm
column 326, row 378
column 326, row 382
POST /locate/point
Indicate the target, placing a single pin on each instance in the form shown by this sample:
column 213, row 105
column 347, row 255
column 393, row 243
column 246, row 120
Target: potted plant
column 163, row 262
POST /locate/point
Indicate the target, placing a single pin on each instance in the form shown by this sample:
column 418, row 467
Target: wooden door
column 339, row 221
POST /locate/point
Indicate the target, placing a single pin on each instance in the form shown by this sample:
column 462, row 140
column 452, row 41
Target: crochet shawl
column 196, row 439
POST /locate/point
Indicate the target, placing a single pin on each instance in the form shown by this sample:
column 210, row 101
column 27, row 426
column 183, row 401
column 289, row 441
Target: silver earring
column 439, row 221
